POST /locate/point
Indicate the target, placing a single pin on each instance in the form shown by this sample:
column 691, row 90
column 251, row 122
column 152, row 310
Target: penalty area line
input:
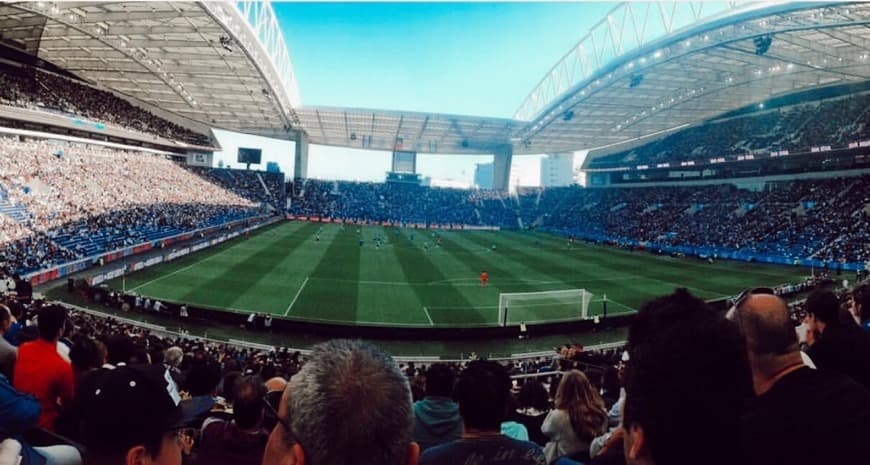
column 296, row 296
column 426, row 311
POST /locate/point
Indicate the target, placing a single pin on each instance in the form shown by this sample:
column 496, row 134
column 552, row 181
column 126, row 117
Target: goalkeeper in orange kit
column 483, row 278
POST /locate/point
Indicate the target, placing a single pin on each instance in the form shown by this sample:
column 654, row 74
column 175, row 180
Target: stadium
column 168, row 200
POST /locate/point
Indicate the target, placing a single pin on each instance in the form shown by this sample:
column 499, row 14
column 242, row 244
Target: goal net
column 529, row 307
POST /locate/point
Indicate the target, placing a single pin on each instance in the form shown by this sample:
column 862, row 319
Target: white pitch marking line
column 162, row 277
column 431, row 323
column 296, row 296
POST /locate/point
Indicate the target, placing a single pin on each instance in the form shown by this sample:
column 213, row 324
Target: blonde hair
column 583, row 404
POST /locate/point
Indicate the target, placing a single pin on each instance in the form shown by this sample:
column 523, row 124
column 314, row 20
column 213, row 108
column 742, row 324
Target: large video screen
column 250, row 156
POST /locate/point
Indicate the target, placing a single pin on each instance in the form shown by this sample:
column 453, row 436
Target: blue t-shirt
column 497, row 450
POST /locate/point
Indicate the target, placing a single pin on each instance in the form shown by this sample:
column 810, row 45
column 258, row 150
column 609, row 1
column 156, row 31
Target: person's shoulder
column 526, row 452
column 213, row 428
column 442, row 453
column 520, row 444
column 829, row 388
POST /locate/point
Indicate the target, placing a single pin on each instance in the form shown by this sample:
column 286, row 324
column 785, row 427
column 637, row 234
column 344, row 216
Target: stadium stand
column 26, row 87
column 64, row 202
column 385, row 202
column 821, row 219
column 796, row 128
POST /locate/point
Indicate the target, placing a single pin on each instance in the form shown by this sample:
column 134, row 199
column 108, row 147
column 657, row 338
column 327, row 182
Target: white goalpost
column 517, row 307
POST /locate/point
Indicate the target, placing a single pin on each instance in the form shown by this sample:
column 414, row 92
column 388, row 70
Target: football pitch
column 337, row 274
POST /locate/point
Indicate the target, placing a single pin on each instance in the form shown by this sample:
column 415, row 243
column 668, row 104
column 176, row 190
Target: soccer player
column 484, row 277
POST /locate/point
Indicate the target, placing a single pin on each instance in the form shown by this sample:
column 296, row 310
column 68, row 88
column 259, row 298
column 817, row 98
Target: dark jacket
column 845, row 349
column 436, row 421
column 223, row 443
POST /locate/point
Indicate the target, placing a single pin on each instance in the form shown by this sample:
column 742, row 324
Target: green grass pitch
column 286, row 271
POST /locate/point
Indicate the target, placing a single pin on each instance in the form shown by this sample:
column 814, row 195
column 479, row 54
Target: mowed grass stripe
column 706, row 280
column 419, row 271
column 225, row 287
column 555, row 269
column 332, row 290
column 512, row 277
column 276, row 290
column 523, row 255
column 463, row 276
column 573, row 273
column 671, row 274
column 505, row 276
column 143, row 279
column 385, row 295
column 672, row 267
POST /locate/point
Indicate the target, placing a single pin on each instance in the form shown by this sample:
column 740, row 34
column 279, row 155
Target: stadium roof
column 644, row 69
column 616, row 85
column 403, row 130
column 218, row 64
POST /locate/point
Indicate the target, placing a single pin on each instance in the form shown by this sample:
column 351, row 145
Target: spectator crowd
column 63, row 202
column 692, row 385
column 31, row 88
column 60, row 202
column 797, row 128
column 825, row 219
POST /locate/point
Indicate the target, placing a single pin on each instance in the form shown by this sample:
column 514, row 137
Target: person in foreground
column 482, row 393
column 132, row 416
column 436, row 416
column 348, row 405
column 578, row 418
column 685, row 386
column 835, row 345
column 793, row 400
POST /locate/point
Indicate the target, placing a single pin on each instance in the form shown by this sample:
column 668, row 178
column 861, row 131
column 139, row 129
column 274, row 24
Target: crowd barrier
column 41, row 277
column 163, row 331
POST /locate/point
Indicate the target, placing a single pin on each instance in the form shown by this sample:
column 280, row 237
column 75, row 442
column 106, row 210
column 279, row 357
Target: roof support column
column 501, row 172
column 300, row 167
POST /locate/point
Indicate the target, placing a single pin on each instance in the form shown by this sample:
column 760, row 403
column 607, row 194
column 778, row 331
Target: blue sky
column 462, row 58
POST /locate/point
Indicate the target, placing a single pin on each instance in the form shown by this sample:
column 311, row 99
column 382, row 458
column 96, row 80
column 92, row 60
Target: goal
column 528, row 307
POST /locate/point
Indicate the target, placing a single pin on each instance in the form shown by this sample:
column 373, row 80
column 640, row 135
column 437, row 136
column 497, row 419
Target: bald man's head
column 764, row 321
column 276, row 384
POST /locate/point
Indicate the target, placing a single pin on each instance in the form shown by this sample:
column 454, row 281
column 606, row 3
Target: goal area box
column 543, row 306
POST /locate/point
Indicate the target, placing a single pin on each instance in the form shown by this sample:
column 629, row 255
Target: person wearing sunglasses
column 791, row 399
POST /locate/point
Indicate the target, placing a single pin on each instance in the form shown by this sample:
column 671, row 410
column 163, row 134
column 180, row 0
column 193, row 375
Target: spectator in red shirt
column 41, row 371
